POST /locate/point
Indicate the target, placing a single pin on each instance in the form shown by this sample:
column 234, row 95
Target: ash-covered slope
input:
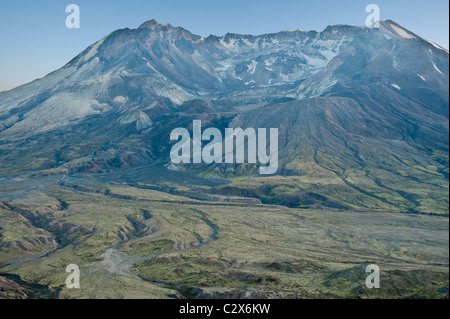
column 363, row 113
column 130, row 68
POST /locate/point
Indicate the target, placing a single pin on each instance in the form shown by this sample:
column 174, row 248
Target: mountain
column 363, row 114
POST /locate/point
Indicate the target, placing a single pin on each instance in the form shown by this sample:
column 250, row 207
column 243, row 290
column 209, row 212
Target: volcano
column 362, row 113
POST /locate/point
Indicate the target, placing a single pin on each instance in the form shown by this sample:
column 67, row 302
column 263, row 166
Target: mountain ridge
column 356, row 109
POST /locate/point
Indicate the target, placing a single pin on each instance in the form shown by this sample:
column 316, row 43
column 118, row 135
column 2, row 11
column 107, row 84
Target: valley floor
column 131, row 242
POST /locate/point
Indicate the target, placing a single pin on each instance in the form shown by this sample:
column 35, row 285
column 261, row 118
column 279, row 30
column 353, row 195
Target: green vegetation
column 170, row 246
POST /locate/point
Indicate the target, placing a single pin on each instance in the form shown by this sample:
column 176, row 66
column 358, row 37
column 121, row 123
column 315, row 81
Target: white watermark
column 373, row 280
column 373, row 19
column 73, row 19
column 216, row 151
column 73, row 280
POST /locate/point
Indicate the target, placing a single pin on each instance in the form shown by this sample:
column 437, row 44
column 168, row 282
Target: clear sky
column 34, row 40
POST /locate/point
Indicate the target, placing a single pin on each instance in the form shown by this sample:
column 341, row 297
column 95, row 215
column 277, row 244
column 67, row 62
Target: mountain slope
column 363, row 113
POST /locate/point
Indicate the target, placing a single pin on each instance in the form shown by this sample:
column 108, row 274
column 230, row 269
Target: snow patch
column 402, row 32
column 230, row 45
column 421, row 77
column 142, row 120
column 252, row 67
column 295, row 30
column 120, row 99
column 250, row 44
column 437, row 46
column 436, row 68
column 93, row 51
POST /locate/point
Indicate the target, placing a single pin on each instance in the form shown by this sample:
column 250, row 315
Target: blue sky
column 34, row 40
